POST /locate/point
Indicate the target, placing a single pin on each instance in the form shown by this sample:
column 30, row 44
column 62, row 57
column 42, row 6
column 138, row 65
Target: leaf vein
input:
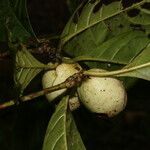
column 57, row 140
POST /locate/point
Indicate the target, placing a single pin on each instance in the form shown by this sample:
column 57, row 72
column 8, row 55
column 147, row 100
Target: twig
column 70, row 82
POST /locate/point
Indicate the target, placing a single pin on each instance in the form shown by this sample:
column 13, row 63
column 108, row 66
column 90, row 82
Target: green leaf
column 62, row 132
column 20, row 10
column 120, row 49
column 10, row 25
column 140, row 14
column 27, row 67
column 140, row 66
column 72, row 5
column 105, row 34
column 93, row 14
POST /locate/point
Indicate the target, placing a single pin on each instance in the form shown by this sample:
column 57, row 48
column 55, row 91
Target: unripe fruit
column 103, row 95
column 54, row 77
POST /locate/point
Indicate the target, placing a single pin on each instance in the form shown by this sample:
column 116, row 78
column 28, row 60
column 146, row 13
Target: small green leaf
column 27, row 67
column 62, row 133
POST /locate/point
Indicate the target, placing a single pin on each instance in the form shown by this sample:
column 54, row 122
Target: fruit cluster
column 104, row 95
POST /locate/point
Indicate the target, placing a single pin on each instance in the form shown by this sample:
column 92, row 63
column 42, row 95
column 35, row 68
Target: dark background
column 23, row 127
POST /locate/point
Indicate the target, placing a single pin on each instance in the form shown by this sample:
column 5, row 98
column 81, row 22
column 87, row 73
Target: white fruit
column 103, row 95
column 54, row 77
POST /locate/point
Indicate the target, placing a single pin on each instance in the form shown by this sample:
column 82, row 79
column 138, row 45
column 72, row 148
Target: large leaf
column 62, row 133
column 27, row 67
column 10, row 24
column 104, row 32
column 119, row 49
column 93, row 13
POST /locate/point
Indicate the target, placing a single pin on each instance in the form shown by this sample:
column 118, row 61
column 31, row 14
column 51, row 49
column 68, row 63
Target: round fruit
column 54, row 77
column 103, row 95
